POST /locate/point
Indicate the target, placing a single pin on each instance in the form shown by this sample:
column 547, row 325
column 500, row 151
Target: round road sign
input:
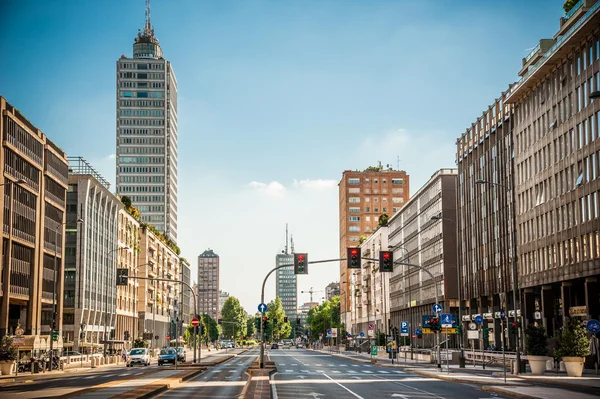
column 472, row 326
column 195, row 322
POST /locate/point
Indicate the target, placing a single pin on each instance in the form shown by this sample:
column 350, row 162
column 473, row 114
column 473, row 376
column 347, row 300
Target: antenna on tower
column 398, row 162
column 148, row 27
column 286, row 239
column 292, row 242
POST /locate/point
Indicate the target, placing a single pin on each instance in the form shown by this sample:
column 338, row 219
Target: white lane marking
column 232, row 371
column 367, row 371
column 356, row 395
column 282, row 364
column 294, row 364
column 91, row 376
column 355, row 365
column 273, row 387
column 401, row 372
column 383, row 372
column 289, row 371
column 331, row 365
column 336, row 371
column 318, row 365
column 408, row 386
column 319, row 371
column 305, row 371
column 352, row 372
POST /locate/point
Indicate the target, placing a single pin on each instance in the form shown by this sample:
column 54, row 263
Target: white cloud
column 272, row 189
column 318, row 184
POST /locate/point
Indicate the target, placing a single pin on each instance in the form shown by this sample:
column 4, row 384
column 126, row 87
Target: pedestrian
column 124, row 354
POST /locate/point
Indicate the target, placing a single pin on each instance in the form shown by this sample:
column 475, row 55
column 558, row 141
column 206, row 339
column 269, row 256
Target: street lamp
column 461, row 359
column 106, row 295
column 514, row 261
column 53, row 326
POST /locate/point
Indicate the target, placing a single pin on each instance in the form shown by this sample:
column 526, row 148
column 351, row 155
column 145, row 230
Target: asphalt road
column 302, row 373
column 222, row 381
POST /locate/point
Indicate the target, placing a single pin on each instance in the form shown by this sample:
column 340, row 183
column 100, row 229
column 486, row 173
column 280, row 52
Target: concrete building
column 34, row 183
column 286, row 285
column 90, row 275
column 186, row 310
column 486, row 232
column 556, row 168
column 333, row 289
column 303, row 314
column 147, row 132
column 364, row 196
column 208, row 283
column 128, row 258
column 222, row 298
column 418, row 239
column 157, row 302
column 370, row 303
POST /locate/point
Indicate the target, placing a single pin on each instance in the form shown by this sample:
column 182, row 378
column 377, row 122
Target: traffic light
column 513, row 328
column 386, row 261
column 486, row 333
column 353, row 258
column 298, row 320
column 265, row 322
column 122, row 276
column 300, row 263
column 459, row 329
column 274, row 321
column 126, row 335
column 285, row 319
column 220, row 321
column 257, row 322
column 434, row 325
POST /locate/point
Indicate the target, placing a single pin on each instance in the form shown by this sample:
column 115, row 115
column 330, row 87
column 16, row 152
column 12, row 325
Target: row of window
column 141, row 159
column 141, row 150
column 141, row 179
column 141, row 75
column 132, row 65
column 141, row 169
column 141, row 122
column 356, row 180
column 147, row 198
column 126, row 140
column 141, row 94
column 141, row 112
column 142, row 131
column 356, row 200
column 142, row 103
column 368, row 209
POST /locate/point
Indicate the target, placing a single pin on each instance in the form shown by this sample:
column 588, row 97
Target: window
column 397, row 181
column 397, row 200
column 367, row 209
column 354, row 200
column 353, row 181
column 354, row 229
column 355, row 218
column 354, row 210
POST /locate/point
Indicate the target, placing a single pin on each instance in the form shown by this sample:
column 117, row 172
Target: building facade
column 333, row 289
column 208, row 283
column 485, row 222
column 222, row 298
column 556, row 164
column 127, row 258
column 370, row 302
column 416, row 238
column 90, row 275
column 34, row 184
column 157, row 301
column 286, row 285
column 147, row 132
column 364, row 196
column 186, row 311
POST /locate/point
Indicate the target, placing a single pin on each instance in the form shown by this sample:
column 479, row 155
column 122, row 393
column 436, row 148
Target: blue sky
column 276, row 99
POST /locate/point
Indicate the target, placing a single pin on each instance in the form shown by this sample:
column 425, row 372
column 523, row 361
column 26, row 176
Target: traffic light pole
column 193, row 296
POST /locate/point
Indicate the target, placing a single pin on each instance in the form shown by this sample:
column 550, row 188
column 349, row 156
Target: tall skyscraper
column 286, row 283
column 208, row 283
column 364, row 196
column 147, row 131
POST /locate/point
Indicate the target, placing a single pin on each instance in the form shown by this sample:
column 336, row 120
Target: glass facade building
column 286, row 285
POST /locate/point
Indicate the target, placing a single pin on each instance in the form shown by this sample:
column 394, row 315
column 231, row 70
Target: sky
column 276, row 100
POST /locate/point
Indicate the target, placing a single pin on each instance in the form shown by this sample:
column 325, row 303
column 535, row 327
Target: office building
column 90, row 275
column 485, row 222
column 418, row 239
column 222, row 298
column 158, row 301
column 34, row 184
column 208, row 283
column 286, row 284
column 147, row 132
column 364, row 196
column 333, row 289
column 556, row 165
column 186, row 311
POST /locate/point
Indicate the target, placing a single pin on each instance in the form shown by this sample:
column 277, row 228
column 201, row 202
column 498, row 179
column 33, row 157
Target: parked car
column 180, row 354
column 299, row 345
column 275, row 346
column 138, row 356
column 167, row 355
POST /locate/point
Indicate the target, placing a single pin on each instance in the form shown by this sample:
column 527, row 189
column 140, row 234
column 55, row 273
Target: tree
column 275, row 310
column 324, row 316
column 140, row 343
column 210, row 330
column 250, row 328
column 384, row 220
column 126, row 201
column 233, row 313
column 569, row 4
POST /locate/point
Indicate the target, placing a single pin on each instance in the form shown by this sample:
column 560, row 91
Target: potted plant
column 573, row 346
column 536, row 342
column 8, row 355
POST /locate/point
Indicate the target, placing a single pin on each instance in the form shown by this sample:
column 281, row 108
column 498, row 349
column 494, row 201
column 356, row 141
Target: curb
column 556, row 382
column 506, row 392
column 153, row 389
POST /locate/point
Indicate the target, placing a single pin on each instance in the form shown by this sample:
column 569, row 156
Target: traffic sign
column 195, row 322
column 502, row 314
column 362, row 334
column 418, row 331
column 472, row 326
column 437, row 308
column 593, row 326
column 262, row 307
column 371, row 333
column 478, row 319
column 404, row 328
column 329, row 333
column 334, row 332
column 168, row 337
column 447, row 320
column 374, row 350
column 349, row 335
column 370, row 327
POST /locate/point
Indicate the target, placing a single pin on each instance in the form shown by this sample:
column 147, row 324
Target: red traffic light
column 353, row 252
column 265, row 319
column 300, row 258
column 514, row 324
column 386, row 256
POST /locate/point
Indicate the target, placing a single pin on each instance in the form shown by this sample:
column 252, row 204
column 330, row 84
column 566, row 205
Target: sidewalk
column 524, row 386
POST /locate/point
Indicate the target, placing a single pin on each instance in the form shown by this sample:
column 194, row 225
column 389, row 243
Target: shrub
column 8, row 350
column 536, row 340
column 572, row 341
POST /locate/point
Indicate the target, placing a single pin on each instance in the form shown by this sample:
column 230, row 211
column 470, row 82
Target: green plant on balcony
column 384, row 220
column 569, row 4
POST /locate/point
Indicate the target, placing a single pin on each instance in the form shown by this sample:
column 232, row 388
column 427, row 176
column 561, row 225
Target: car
column 139, row 356
column 299, row 345
column 181, row 354
column 167, row 355
column 71, row 353
column 275, row 346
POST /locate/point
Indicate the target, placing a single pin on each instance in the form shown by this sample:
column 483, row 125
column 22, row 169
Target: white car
column 138, row 356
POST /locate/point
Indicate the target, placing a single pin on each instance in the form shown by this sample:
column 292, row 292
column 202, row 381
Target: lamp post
column 513, row 262
column 409, row 297
column 106, row 295
column 461, row 359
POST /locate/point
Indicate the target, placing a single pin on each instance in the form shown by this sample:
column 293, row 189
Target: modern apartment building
column 417, row 237
column 186, row 311
column 34, row 183
column 364, row 196
column 332, row 289
column 485, row 220
column 157, row 301
column 127, row 258
column 286, row 285
column 147, row 132
column 208, row 283
column 90, row 269
column 222, row 298
column 556, row 164
column 370, row 303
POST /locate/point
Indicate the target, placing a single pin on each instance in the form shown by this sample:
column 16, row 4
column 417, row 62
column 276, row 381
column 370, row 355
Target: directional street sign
column 418, row 331
column 502, row 314
column 437, row 308
column 447, row 320
column 262, row 308
column 478, row 319
column 329, row 333
column 593, row 326
column 362, row 334
column 404, row 328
